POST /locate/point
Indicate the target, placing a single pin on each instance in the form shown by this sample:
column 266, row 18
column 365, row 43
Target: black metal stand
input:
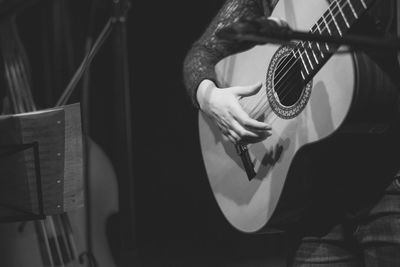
column 124, row 153
column 258, row 33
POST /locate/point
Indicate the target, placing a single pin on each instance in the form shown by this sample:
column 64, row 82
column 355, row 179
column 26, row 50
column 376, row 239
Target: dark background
column 168, row 215
column 174, row 201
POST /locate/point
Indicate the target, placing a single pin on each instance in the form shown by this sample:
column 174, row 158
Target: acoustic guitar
column 309, row 95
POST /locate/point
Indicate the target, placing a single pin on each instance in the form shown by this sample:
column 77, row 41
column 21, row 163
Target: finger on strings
column 245, row 120
column 247, row 90
column 241, row 131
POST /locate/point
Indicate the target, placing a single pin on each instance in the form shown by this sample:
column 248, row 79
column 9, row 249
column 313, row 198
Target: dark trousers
column 373, row 240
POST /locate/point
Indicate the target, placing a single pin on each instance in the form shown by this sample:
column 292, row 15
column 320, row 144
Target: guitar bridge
column 243, row 152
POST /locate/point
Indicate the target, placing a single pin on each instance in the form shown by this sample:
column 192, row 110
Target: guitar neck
column 336, row 21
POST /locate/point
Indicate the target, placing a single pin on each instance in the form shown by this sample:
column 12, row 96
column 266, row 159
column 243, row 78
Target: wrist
column 203, row 93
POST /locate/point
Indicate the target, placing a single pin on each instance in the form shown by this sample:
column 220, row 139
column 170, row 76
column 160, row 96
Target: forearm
column 198, row 66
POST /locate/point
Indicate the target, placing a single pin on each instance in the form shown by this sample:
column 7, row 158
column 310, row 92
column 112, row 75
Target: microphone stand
column 124, row 152
column 248, row 31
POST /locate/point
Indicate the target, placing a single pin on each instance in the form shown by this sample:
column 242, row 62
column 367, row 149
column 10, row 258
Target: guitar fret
column 308, row 57
column 362, row 5
column 313, row 30
column 359, row 6
column 320, row 32
column 309, row 60
column 302, row 61
column 348, row 13
column 302, row 75
column 343, row 15
column 301, row 71
column 335, row 22
column 341, row 21
column 326, row 25
column 315, row 57
column 352, row 9
column 319, row 48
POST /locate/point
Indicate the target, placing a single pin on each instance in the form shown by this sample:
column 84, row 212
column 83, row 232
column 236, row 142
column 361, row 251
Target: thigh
column 334, row 249
column 379, row 234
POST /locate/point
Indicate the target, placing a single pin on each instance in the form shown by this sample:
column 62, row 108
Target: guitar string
column 309, row 42
column 284, row 77
column 269, row 111
column 271, row 119
column 326, row 25
column 335, row 4
column 338, row 6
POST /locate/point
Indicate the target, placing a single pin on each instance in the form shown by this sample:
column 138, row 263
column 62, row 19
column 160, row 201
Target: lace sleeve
column 208, row 50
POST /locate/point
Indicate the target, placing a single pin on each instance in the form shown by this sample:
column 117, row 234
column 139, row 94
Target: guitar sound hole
column 288, row 82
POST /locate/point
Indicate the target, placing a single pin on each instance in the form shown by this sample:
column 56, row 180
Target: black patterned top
column 208, row 50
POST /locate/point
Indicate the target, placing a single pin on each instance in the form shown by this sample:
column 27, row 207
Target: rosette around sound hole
column 286, row 89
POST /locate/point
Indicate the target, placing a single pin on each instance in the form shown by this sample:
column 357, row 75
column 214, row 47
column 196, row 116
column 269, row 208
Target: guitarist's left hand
column 223, row 107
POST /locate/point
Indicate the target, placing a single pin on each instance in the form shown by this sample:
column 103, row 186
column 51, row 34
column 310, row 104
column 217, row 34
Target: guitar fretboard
column 336, row 21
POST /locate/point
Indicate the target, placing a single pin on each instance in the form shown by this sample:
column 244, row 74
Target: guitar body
column 333, row 103
column 104, row 204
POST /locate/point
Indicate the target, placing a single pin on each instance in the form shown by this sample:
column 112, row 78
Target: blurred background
column 167, row 215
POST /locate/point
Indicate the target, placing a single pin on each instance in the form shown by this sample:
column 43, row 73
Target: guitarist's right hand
column 223, row 107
